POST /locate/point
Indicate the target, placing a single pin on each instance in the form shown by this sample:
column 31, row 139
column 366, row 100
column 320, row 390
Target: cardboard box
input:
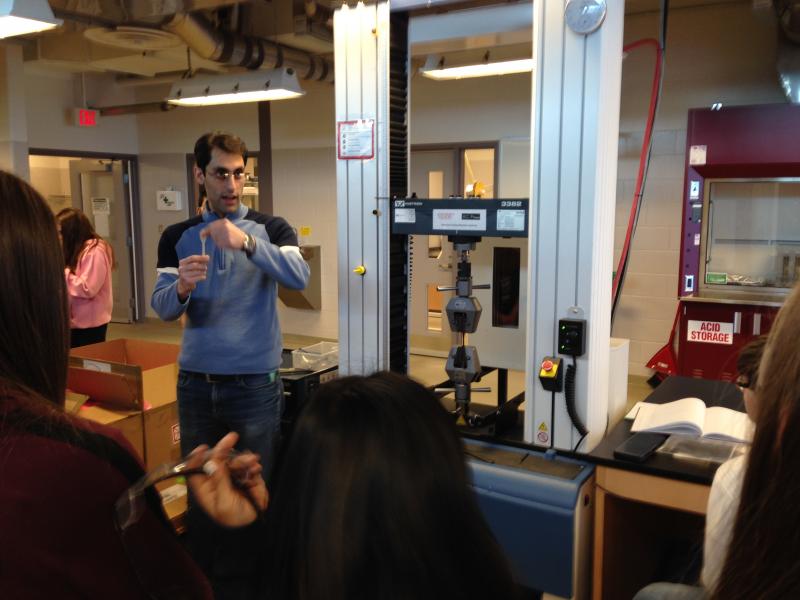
column 162, row 438
column 125, row 374
column 128, row 422
column 174, row 500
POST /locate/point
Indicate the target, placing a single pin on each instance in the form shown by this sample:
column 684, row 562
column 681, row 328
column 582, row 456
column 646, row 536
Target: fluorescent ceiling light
column 434, row 68
column 18, row 17
column 235, row 88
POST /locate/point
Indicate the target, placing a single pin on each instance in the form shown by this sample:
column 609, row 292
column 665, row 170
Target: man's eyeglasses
column 224, row 174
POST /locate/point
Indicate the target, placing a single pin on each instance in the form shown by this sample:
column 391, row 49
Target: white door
column 433, row 175
column 100, row 188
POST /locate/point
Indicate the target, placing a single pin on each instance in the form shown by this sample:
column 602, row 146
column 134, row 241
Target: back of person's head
column 225, row 142
column 762, row 558
column 76, row 229
column 34, row 322
column 372, row 501
column 749, row 359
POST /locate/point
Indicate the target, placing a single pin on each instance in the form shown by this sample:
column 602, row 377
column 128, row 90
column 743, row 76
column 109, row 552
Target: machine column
column 361, row 43
column 574, row 131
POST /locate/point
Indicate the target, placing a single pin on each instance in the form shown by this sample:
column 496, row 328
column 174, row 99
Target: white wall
column 50, row 175
column 50, row 97
column 482, row 109
column 305, row 194
column 722, row 54
column 158, row 171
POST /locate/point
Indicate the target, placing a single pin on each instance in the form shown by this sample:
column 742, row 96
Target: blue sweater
column 232, row 319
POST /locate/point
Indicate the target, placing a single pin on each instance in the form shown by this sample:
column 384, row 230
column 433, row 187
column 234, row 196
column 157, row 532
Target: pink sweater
column 89, row 288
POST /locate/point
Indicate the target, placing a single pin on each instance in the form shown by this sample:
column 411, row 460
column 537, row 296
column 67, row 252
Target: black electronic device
column 572, row 337
column 298, row 387
column 639, row 446
column 470, row 217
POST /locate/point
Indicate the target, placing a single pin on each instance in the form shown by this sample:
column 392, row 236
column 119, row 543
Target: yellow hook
column 360, row 270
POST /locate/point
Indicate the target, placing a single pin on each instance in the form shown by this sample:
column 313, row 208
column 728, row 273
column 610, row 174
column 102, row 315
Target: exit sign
column 85, row 117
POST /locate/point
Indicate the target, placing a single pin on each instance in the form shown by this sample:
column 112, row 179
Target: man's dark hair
column 227, row 142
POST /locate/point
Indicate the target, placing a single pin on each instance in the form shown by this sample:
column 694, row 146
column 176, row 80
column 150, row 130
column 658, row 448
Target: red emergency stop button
column 547, row 365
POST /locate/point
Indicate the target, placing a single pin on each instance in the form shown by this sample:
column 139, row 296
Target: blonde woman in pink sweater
column 88, row 262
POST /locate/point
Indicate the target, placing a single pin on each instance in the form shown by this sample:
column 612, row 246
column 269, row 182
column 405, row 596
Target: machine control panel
column 474, row 217
column 572, row 337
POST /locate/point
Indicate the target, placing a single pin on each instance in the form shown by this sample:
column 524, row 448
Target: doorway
column 102, row 189
column 441, row 172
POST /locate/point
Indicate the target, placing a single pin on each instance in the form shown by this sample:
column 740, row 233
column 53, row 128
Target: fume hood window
column 752, row 234
column 505, row 287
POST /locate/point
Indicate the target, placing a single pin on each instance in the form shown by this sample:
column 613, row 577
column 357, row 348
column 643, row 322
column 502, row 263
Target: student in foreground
column 761, row 559
column 61, row 475
column 372, row 501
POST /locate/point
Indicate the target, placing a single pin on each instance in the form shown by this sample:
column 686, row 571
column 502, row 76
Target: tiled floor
column 426, row 369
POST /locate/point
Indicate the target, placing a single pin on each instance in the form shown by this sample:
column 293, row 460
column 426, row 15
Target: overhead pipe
column 134, row 109
column 245, row 51
column 788, row 55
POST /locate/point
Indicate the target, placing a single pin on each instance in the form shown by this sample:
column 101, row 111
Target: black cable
column 569, row 396
column 552, row 419
column 580, row 441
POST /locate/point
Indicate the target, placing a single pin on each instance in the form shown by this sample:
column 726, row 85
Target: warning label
column 710, row 332
column 543, row 426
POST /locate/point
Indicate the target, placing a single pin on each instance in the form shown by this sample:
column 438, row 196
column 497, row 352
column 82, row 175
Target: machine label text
column 459, row 219
column 511, row 220
column 405, row 215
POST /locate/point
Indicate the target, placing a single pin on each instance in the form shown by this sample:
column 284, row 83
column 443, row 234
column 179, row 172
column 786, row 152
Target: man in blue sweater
column 222, row 269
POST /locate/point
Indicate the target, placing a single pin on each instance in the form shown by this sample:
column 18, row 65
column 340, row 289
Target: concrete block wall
column 706, row 62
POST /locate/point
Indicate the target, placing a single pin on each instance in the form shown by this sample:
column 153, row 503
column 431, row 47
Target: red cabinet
column 711, row 334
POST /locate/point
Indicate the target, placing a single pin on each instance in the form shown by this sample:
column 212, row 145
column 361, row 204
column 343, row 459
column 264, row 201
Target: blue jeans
column 252, row 406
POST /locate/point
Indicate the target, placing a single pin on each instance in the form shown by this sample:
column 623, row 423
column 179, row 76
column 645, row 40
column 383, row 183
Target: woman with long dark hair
column 60, row 476
column 372, row 501
column 88, row 262
column 762, row 561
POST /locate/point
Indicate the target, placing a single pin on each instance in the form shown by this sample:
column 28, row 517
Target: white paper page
column 634, row 411
column 726, row 424
column 681, row 416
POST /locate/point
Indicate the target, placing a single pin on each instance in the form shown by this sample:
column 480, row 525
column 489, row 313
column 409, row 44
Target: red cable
column 648, row 132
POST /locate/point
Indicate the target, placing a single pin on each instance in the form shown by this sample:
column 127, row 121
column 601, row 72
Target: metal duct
column 789, row 18
column 788, row 62
column 135, row 109
column 249, row 52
